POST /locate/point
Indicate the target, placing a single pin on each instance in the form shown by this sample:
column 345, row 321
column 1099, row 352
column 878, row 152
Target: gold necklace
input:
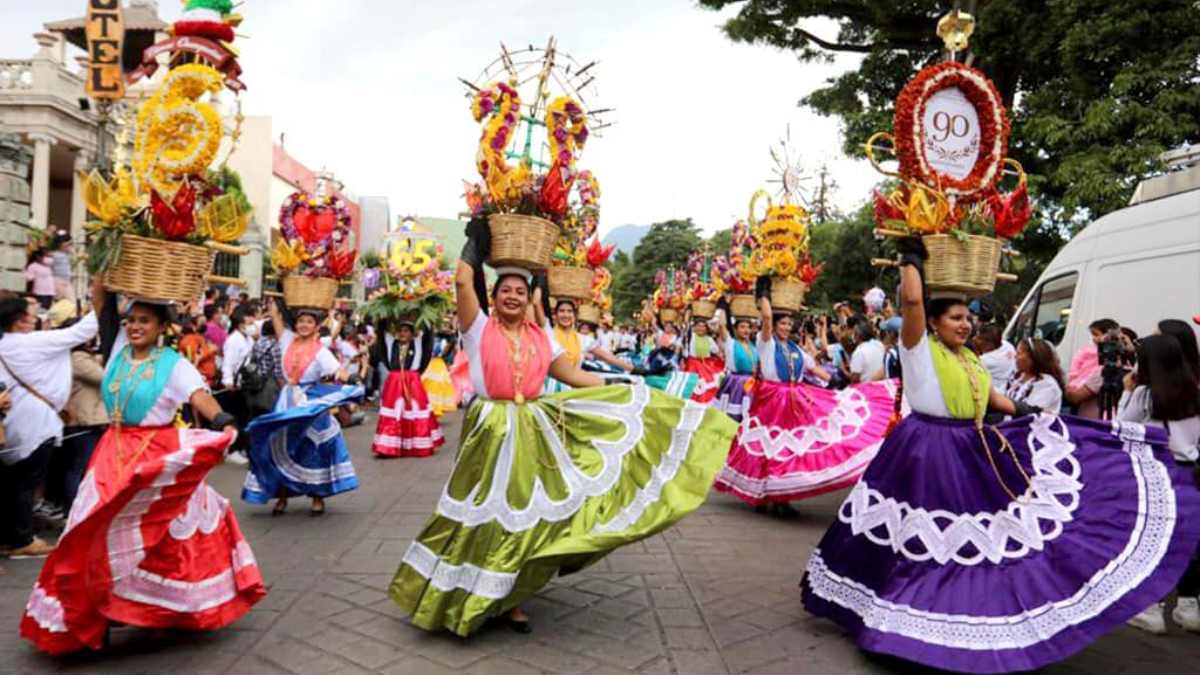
column 516, row 356
column 132, row 379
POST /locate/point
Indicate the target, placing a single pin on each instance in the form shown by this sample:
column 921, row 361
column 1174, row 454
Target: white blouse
column 324, row 365
column 1041, row 391
column 1136, row 406
column 766, row 361
column 921, row 385
column 184, row 381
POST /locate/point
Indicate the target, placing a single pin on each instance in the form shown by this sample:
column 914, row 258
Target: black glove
column 479, row 242
column 1023, row 409
column 639, row 371
column 762, row 287
column 542, row 281
column 222, row 420
column 912, row 252
column 354, row 380
column 723, row 304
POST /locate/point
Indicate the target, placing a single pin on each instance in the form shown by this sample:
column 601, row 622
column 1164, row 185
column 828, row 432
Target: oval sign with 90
column 950, row 134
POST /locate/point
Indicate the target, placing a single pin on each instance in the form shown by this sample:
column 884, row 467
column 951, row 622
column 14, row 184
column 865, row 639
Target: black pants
column 68, row 463
column 17, row 485
column 234, row 402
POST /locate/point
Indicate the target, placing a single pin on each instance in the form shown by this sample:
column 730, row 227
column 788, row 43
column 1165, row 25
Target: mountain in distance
column 626, row 237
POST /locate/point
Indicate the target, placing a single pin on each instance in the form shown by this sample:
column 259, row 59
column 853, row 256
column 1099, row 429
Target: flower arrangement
column 921, row 209
column 317, row 241
column 580, row 224
column 733, row 274
column 781, row 242
column 671, row 291
column 172, row 188
column 410, row 286
column 518, row 188
column 701, row 283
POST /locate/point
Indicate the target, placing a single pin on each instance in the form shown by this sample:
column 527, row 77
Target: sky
column 369, row 89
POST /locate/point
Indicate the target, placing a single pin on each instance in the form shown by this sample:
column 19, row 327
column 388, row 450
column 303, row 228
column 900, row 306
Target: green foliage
column 230, row 182
column 425, row 313
column 103, row 250
column 720, row 242
column 666, row 244
column 1097, row 90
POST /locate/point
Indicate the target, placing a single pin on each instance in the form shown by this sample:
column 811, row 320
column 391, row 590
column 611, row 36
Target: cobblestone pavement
column 716, row 594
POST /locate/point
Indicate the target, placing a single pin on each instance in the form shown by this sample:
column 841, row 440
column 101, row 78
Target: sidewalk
column 716, row 594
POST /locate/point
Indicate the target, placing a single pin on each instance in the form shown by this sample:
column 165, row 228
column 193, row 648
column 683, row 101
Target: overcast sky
column 369, row 89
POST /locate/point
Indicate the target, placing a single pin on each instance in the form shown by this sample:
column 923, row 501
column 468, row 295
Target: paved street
column 716, row 594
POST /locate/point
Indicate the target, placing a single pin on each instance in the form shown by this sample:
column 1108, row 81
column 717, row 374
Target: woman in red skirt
column 148, row 542
column 407, row 425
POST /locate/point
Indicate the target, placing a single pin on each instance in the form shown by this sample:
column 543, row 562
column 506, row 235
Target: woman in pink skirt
column 799, row 440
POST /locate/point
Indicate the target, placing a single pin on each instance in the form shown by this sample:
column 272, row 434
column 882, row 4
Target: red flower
column 809, row 272
column 598, row 254
column 885, row 210
column 341, row 263
column 174, row 220
column 1011, row 213
column 553, row 199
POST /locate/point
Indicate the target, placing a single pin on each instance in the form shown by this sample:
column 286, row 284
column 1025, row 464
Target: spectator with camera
column 1094, row 384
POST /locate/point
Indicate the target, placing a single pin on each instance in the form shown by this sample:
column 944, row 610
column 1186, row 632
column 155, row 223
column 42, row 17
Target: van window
column 1054, row 307
column 1048, row 310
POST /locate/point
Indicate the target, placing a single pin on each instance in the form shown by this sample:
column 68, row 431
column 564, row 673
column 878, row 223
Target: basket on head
column 742, row 306
column 787, row 295
column 521, row 241
column 311, row 292
column 570, row 282
column 966, row 266
column 156, row 269
column 703, row 309
column 668, row 314
column 589, row 313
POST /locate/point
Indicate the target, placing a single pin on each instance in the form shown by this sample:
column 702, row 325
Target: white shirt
column 921, row 385
column 236, row 352
column 473, row 341
column 1041, row 391
column 1001, row 362
column 766, row 361
column 414, row 344
column 184, row 381
column 325, row 364
column 628, row 341
column 1136, row 406
column 867, row 360
column 42, row 359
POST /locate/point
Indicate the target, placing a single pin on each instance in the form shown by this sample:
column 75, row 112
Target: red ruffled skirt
column 710, row 370
column 407, row 426
column 148, row 543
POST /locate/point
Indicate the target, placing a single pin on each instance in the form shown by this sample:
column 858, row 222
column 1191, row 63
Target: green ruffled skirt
column 552, row 486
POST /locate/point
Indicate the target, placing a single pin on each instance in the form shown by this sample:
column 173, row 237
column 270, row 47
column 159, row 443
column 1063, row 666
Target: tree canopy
column 1097, row 89
column 666, row 244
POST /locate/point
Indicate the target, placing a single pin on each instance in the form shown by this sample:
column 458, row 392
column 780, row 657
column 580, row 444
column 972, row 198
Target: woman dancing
column 545, row 484
column 148, row 542
column 705, row 359
column 741, row 362
column 1001, row 548
column 799, row 440
column 299, row 449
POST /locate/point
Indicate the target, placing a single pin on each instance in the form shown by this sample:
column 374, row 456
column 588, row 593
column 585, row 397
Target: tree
column 1097, row 89
column 666, row 244
column 845, row 248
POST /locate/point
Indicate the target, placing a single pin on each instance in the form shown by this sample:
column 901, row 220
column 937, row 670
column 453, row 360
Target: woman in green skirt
column 545, row 484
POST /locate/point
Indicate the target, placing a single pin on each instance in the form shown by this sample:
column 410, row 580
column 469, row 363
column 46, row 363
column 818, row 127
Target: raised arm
column 762, row 291
column 276, row 318
column 912, row 291
column 474, row 251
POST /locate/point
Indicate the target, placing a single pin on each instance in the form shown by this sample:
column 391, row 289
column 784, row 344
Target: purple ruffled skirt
column 932, row 560
column 734, row 397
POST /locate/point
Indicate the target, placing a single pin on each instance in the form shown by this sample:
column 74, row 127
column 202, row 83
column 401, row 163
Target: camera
column 1115, row 361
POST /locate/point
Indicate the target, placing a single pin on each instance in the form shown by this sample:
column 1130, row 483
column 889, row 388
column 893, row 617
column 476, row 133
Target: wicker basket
column 522, row 241
column 968, row 267
column 787, row 295
column 314, row 293
column 703, row 309
column 156, row 269
column 589, row 313
column 742, row 306
column 668, row 314
column 570, row 282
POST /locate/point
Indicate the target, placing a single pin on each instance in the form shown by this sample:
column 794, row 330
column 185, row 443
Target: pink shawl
column 498, row 366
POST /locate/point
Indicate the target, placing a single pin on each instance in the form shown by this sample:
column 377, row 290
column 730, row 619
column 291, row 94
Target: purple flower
column 370, row 278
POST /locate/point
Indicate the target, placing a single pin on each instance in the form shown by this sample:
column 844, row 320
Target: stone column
column 40, row 202
column 78, row 218
column 14, row 210
column 251, row 264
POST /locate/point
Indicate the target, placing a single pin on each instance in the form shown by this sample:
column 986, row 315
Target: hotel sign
column 105, row 33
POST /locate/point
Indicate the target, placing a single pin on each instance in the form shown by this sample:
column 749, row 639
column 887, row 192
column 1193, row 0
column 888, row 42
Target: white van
column 1136, row 266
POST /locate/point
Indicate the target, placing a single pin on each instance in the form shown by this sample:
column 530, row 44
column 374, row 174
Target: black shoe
column 521, row 627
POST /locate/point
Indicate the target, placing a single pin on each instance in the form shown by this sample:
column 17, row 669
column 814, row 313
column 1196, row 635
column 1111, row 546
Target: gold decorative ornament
column 956, row 29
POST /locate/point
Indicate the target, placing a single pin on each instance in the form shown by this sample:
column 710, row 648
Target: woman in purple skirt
column 992, row 549
column 741, row 360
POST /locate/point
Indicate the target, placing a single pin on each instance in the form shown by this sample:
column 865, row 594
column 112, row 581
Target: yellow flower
column 927, row 211
column 287, row 257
